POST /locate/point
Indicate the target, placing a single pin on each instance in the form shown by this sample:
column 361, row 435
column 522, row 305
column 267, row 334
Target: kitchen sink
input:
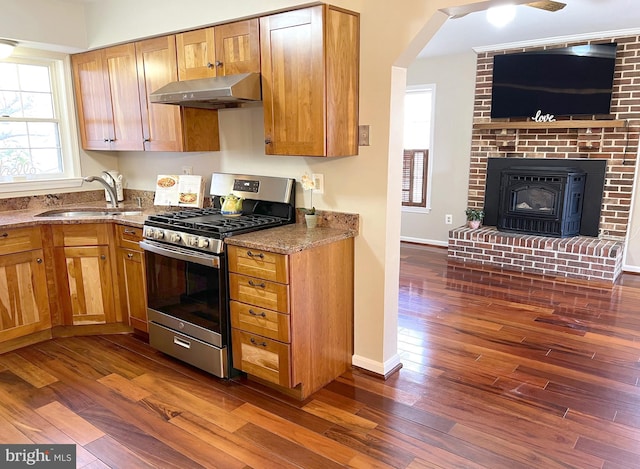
column 88, row 212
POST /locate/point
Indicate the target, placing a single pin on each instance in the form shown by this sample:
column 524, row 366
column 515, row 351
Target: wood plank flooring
column 499, row 371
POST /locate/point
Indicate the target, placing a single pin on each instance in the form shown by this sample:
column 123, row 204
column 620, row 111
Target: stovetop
column 211, row 222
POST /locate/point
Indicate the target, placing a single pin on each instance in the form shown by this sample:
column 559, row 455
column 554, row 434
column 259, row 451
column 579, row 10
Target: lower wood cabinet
column 84, row 273
column 292, row 315
column 131, row 276
column 24, row 300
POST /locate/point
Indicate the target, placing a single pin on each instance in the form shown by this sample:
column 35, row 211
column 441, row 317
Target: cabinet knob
column 129, row 255
column 39, row 261
column 5, row 235
column 267, row 141
column 106, row 140
column 103, row 257
column 147, row 140
column 209, row 65
column 218, row 63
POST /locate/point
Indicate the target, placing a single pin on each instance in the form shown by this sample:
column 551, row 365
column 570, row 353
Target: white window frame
column 417, row 88
column 64, row 109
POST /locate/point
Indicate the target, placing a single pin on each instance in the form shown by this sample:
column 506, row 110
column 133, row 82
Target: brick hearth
column 579, row 257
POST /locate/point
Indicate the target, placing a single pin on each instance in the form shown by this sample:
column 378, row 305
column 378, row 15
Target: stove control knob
column 203, row 243
column 175, row 237
column 193, row 241
column 157, row 234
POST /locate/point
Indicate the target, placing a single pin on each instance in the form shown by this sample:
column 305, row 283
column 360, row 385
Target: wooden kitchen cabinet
column 226, row 49
column 166, row 127
column 131, row 276
column 310, row 62
column 106, row 88
column 112, row 89
column 24, row 300
column 84, row 273
column 292, row 315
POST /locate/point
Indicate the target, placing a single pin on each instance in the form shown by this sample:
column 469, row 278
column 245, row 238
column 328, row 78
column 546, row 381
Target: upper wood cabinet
column 310, row 63
column 106, row 86
column 227, row 49
column 112, row 89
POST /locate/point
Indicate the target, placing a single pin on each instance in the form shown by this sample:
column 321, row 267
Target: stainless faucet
column 110, row 188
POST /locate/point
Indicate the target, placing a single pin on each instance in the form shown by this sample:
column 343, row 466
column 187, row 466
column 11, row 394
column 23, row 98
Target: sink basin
column 88, row 212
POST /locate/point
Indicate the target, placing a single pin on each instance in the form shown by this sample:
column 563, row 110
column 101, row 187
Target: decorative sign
column 539, row 117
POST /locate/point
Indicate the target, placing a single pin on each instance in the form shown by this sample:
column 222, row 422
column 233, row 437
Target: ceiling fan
column 459, row 12
column 548, row 5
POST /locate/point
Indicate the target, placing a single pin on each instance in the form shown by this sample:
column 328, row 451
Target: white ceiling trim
column 558, row 40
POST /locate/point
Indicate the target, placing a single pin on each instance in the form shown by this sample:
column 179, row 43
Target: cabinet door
column 85, row 284
column 93, row 100
column 24, row 302
column 120, row 62
column 196, row 54
column 237, row 47
column 161, row 123
column 293, row 88
column 132, row 287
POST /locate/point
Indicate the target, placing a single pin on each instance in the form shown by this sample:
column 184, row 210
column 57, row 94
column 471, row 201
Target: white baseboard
column 631, row 268
column 432, row 242
column 378, row 368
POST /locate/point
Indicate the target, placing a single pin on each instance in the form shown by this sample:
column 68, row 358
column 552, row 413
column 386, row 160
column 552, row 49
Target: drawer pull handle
column 250, row 254
column 181, row 342
column 255, row 342
column 254, row 284
column 253, row 313
column 5, row 235
column 131, row 232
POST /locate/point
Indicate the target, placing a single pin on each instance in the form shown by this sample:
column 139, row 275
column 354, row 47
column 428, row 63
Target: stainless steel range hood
column 211, row 93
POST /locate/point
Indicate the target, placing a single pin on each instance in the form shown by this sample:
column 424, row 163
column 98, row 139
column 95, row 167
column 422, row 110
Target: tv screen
column 568, row 81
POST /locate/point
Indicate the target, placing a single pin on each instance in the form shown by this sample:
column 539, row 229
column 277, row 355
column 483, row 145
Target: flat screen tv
column 568, row 81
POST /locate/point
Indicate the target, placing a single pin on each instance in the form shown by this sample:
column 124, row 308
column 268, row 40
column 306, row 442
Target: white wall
column 368, row 184
column 454, row 77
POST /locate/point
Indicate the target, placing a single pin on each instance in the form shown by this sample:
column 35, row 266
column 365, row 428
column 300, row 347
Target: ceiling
column 578, row 19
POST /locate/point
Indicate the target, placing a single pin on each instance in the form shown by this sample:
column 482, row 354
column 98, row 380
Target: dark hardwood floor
column 499, row 371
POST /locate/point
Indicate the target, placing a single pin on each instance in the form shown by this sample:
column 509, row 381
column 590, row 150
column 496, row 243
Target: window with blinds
column 417, row 142
column 414, row 178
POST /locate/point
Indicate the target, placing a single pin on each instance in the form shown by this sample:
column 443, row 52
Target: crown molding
column 557, row 40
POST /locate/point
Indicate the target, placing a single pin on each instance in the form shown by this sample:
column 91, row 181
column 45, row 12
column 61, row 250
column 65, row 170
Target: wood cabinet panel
column 259, row 292
column 310, row 63
column 19, row 239
column 24, row 301
column 86, row 234
column 260, row 321
column 132, row 287
column 238, row 47
column 196, row 54
column 257, row 263
column 261, row 357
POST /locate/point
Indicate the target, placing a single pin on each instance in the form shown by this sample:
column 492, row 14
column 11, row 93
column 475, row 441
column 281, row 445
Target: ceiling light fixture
column 6, row 48
column 501, row 15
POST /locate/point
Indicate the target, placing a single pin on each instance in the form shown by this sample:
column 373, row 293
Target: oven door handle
column 202, row 259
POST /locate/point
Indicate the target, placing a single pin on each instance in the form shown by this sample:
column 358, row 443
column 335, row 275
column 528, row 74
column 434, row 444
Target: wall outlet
column 448, row 219
column 318, row 179
column 187, row 170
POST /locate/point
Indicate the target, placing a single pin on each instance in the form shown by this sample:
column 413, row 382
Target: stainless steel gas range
column 187, row 292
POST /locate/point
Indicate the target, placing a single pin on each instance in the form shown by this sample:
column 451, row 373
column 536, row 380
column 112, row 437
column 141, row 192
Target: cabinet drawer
column 85, row 234
column 128, row 237
column 259, row 292
column 19, row 240
column 260, row 321
column 261, row 357
column 261, row 264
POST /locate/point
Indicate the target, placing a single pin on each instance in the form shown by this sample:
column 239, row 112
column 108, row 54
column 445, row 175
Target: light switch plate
column 319, row 182
column 363, row 135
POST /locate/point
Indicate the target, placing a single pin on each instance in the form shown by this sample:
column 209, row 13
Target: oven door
column 187, row 305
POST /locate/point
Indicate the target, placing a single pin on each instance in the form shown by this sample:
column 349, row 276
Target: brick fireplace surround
column 578, row 258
